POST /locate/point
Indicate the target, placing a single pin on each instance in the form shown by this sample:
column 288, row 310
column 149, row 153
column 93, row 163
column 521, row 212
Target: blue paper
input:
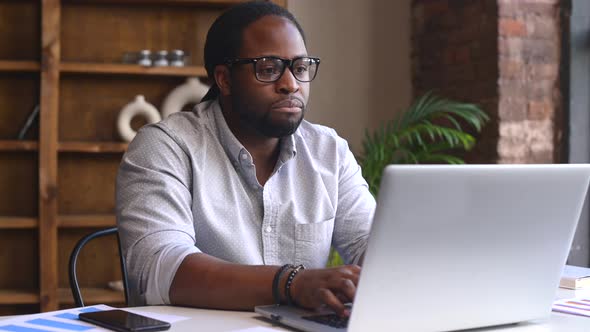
column 59, row 325
column 16, row 328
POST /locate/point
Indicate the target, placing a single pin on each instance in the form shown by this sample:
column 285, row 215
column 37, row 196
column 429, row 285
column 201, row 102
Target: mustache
column 288, row 102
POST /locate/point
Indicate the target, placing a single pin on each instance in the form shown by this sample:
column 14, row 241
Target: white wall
column 365, row 73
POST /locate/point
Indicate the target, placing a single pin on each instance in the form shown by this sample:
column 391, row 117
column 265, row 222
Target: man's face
column 273, row 109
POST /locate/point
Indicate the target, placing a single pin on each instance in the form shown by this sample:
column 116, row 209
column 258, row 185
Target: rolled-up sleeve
column 154, row 216
column 355, row 210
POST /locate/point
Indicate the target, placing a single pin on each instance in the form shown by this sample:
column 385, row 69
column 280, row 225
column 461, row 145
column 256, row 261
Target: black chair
column 74, row 259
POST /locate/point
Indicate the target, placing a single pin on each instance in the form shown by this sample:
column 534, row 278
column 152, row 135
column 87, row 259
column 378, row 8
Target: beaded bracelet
column 290, row 281
column 275, row 282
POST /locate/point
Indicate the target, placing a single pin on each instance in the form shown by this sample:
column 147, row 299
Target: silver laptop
column 459, row 247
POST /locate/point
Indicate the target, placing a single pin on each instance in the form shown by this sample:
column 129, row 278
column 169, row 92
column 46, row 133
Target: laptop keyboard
column 332, row 320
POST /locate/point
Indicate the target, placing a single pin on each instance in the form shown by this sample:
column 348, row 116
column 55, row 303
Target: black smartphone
column 123, row 321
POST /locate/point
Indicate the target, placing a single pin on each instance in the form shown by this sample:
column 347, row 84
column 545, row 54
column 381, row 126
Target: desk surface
column 215, row 320
column 203, row 320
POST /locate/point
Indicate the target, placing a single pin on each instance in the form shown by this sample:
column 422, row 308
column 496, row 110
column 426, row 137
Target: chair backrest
column 74, row 259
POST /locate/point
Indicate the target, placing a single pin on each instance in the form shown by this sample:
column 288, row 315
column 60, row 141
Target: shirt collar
column 233, row 148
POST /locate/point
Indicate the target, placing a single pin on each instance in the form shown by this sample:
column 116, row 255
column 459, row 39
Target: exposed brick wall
column 502, row 55
column 455, row 54
column 528, row 84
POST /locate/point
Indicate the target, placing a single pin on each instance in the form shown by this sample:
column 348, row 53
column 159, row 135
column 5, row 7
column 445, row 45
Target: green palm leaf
column 426, row 133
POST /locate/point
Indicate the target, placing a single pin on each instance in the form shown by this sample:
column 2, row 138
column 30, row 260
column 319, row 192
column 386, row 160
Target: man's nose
column 287, row 84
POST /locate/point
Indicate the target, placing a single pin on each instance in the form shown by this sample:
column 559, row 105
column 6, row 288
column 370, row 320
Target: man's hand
column 332, row 287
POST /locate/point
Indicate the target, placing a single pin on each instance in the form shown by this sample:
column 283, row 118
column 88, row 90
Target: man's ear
column 223, row 79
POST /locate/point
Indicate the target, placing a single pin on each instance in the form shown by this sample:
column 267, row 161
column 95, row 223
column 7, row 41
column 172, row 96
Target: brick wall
column 503, row 55
column 528, row 84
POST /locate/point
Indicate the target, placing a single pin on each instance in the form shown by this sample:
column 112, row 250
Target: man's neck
column 264, row 150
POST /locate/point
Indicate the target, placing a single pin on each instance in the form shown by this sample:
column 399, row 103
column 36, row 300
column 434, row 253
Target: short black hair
column 224, row 39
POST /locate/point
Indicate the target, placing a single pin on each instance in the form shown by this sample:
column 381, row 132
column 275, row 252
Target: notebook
column 460, row 246
column 575, row 277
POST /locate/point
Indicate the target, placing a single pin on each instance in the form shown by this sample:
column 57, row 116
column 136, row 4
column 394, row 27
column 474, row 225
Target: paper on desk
column 67, row 320
column 575, row 306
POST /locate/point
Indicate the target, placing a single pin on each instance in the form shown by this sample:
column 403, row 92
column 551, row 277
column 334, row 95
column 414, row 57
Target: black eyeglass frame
column 287, row 63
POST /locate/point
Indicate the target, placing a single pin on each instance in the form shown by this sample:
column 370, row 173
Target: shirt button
column 244, row 156
column 268, row 229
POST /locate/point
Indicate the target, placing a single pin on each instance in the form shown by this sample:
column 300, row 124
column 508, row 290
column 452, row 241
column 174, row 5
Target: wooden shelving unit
column 57, row 185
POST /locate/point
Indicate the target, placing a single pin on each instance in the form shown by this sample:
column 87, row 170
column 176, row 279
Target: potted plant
column 429, row 131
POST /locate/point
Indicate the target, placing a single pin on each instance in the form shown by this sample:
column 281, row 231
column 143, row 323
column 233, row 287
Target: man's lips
column 288, row 106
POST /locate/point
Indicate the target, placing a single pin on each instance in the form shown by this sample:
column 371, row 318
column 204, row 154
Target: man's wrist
column 283, row 282
column 290, row 278
column 278, row 282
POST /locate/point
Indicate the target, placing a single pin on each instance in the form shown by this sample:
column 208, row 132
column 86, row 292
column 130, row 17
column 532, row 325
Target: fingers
column 331, row 287
column 347, row 288
column 332, row 301
column 351, row 272
column 342, row 286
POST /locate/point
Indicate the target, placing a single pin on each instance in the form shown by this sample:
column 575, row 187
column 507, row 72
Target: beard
column 264, row 122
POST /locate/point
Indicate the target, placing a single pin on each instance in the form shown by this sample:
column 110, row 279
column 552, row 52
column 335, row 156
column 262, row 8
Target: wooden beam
column 12, row 297
column 17, row 66
column 18, row 223
column 14, row 145
column 48, row 135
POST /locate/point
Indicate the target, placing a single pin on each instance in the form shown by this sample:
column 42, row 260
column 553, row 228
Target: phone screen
column 120, row 320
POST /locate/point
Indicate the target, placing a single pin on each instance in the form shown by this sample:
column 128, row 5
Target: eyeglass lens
column 271, row 69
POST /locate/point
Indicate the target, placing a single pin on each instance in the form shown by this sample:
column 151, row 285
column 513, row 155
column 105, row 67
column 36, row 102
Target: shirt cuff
column 162, row 272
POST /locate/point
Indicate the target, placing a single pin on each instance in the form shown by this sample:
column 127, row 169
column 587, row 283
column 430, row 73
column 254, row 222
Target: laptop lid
column 464, row 246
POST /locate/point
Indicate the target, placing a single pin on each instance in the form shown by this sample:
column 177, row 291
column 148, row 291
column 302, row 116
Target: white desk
column 215, row 320
column 203, row 320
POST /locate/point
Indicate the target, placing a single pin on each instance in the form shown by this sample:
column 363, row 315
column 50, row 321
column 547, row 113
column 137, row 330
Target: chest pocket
column 312, row 243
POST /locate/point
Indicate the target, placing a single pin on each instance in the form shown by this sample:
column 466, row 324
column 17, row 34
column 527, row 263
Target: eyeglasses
column 269, row 69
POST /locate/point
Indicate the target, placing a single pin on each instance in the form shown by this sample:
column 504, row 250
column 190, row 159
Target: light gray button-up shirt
column 186, row 185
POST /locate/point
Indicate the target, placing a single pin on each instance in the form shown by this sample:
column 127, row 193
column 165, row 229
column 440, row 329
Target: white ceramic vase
column 192, row 91
column 138, row 107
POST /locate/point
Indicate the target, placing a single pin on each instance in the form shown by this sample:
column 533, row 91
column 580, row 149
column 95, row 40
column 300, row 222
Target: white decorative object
column 116, row 285
column 177, row 58
column 190, row 92
column 144, row 58
column 139, row 107
column 161, row 59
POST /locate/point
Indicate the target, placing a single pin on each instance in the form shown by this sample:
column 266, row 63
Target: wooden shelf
column 78, row 221
column 93, row 147
column 130, row 69
column 91, row 295
column 220, row 3
column 14, row 145
column 11, row 296
column 18, row 223
column 19, row 66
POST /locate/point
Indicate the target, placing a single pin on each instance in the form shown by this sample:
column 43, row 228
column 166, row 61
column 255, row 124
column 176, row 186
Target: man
column 213, row 204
